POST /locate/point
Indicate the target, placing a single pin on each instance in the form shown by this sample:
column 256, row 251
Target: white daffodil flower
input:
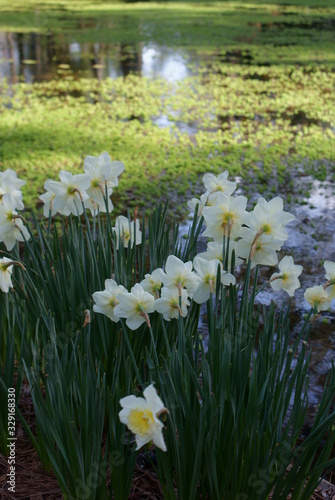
column 11, row 225
column 140, row 415
column 103, row 171
column 106, row 300
column 330, row 276
column 48, row 200
column 135, row 307
column 180, row 274
column 318, row 298
column 200, row 203
column 214, row 184
column 103, row 175
column 126, row 231
column 10, row 191
column 270, row 218
column 6, row 268
column 225, row 217
column 260, row 247
column 215, row 251
column 287, row 278
column 70, row 192
column 207, row 271
column 168, row 304
column 152, row 283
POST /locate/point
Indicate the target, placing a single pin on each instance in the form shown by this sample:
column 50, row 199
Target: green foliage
column 237, row 408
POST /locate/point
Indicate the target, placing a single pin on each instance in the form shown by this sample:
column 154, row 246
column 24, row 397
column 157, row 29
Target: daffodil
column 103, row 175
column 168, row 304
column 10, row 190
column 6, row 268
column 152, row 283
column 11, row 225
column 135, row 307
column 260, row 248
column 180, row 274
column 207, row 272
column 318, row 298
column 48, row 199
column 221, row 184
column 140, row 415
column 195, row 202
column 269, row 218
column 330, row 276
column 70, row 192
column 106, row 300
column 102, row 170
column 287, row 278
column 127, row 232
column 225, row 217
column 215, row 251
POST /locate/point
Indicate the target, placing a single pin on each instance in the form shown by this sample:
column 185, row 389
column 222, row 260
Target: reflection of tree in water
column 130, row 58
column 38, row 57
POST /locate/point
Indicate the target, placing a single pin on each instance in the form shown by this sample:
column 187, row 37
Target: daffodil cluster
column 169, row 291
column 12, row 224
column 234, row 236
column 92, row 190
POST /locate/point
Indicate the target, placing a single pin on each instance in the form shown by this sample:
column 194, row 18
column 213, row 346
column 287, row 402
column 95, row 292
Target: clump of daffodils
column 92, row 190
column 236, row 236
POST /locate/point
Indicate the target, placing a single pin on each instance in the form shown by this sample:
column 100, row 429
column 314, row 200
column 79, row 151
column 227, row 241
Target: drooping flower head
column 260, row 248
column 11, row 225
column 215, row 251
column 168, row 304
column 225, row 217
column 318, row 298
column 330, row 276
column 10, row 190
column 103, row 175
column 106, row 300
column 220, row 183
column 127, row 232
column 207, row 272
column 180, row 274
column 287, row 278
column 140, row 415
column 269, row 218
column 135, row 307
column 6, row 269
column 152, row 283
column 48, row 200
column 70, row 192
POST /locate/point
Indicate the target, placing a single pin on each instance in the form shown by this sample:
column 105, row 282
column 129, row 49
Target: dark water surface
column 31, row 57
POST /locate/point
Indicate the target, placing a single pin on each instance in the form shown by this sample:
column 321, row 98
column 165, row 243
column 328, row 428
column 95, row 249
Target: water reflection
column 34, row 57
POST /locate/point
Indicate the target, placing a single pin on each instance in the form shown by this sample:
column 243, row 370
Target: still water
column 35, row 58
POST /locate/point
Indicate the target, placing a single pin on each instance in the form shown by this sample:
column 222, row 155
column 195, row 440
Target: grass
column 259, row 101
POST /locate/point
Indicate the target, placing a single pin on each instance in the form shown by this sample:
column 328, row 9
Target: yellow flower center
column 208, row 278
column 266, row 228
column 140, row 421
column 227, row 218
column 113, row 302
column 95, row 183
column 71, row 190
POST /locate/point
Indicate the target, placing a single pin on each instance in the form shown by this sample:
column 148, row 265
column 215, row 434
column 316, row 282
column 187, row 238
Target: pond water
column 35, row 58
column 31, row 57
